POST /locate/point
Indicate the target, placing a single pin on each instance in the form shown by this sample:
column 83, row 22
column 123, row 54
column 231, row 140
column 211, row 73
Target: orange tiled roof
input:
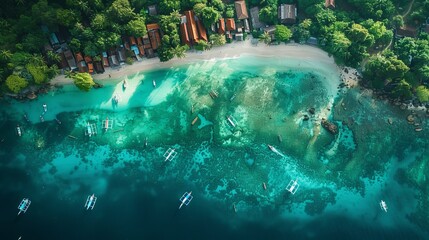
column 230, row 24
column 221, row 29
column 202, row 30
column 152, row 26
column 192, row 27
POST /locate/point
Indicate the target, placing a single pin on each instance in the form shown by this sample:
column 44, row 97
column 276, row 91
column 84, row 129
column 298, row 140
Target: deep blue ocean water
column 342, row 178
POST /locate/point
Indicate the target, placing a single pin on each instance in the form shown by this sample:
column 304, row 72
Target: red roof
column 154, row 36
column 202, row 30
column 192, row 27
column 79, row 57
column 90, row 68
column 139, row 41
column 132, row 40
column 221, row 29
column 105, row 61
column 141, row 50
column 152, row 26
column 230, row 24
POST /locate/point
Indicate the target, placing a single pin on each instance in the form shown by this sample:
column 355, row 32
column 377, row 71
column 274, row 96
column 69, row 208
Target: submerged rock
column 332, row 128
column 306, row 117
column 31, row 95
column 410, row 118
column 312, row 110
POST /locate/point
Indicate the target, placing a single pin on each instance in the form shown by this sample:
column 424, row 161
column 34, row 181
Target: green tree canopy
column 16, row 83
column 422, row 93
column 209, row 16
column 381, row 69
column 268, row 14
column 301, row 32
column 67, row 17
column 283, row 33
column 37, row 72
column 402, row 90
column 121, row 11
column 136, row 27
column 217, row 39
column 165, row 7
column 83, row 81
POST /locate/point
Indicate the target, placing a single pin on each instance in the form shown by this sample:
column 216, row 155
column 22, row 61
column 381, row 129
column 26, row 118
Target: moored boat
column 383, row 205
column 90, row 202
column 125, row 84
column 18, row 131
column 185, row 199
column 24, row 205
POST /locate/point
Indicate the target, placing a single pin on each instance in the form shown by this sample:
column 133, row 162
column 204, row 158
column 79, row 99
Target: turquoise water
column 342, row 178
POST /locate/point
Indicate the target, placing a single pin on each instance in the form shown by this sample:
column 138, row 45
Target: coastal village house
column 154, row 35
column 70, row 59
column 191, row 29
column 254, row 14
column 242, row 15
column 241, row 10
column 221, row 26
column 230, row 27
column 287, row 13
column 330, row 4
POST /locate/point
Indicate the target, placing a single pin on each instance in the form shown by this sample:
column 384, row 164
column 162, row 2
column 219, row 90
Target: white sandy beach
column 233, row 50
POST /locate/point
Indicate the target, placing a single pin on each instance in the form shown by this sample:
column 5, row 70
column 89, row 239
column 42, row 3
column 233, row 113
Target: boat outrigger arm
column 170, row 154
column 185, row 199
column 293, row 186
column 90, row 202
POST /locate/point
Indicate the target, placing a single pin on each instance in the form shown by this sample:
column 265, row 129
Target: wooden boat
column 383, row 205
column 125, row 84
column 280, row 138
column 18, row 131
column 185, row 199
column 194, row 121
column 293, row 186
column 23, row 206
column 231, row 121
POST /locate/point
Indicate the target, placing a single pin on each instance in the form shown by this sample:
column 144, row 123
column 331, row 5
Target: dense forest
column 386, row 39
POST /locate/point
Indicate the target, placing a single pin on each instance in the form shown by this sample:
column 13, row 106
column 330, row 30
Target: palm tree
column 37, row 59
column 5, row 55
column 69, row 74
column 52, row 56
column 265, row 37
column 179, row 51
column 175, row 15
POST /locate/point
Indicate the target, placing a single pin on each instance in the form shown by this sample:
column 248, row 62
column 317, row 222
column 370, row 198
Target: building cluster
column 134, row 47
column 192, row 30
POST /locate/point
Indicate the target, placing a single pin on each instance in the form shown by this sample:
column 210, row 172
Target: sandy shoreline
column 233, row 50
